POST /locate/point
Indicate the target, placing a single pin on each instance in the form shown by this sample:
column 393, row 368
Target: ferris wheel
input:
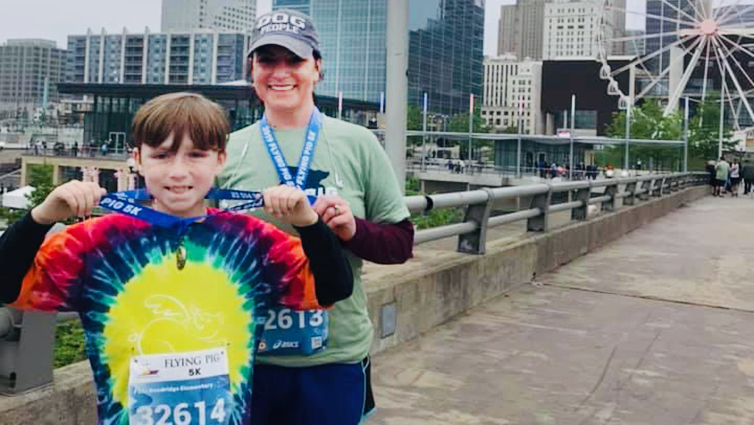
column 694, row 47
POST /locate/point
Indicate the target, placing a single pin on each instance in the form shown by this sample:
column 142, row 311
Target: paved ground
column 653, row 329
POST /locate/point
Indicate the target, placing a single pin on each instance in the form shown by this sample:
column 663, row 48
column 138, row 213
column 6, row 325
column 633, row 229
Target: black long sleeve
column 333, row 277
column 18, row 247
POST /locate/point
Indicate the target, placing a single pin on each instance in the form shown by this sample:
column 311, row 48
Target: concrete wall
column 428, row 291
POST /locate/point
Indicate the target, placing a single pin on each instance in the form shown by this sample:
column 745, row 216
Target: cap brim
column 298, row 47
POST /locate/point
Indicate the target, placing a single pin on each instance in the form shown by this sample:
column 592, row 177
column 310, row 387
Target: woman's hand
column 70, row 199
column 290, row 205
column 337, row 214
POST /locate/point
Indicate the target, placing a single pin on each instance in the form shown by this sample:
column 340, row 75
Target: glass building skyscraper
column 445, row 49
column 668, row 9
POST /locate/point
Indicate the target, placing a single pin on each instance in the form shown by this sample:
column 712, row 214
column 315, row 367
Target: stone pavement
column 655, row 328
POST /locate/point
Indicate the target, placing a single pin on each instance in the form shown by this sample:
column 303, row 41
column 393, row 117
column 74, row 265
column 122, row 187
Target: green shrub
column 69, row 344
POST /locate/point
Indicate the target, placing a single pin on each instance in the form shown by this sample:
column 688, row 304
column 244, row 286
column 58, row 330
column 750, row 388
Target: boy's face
column 179, row 181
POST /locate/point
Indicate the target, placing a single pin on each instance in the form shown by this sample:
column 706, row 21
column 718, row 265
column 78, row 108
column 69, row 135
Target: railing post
column 476, row 242
column 647, row 188
column 581, row 213
column 661, row 189
column 540, row 223
column 630, row 197
column 26, row 351
column 612, row 204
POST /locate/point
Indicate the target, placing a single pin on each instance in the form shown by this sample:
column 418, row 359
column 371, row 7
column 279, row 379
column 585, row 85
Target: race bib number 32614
column 180, row 389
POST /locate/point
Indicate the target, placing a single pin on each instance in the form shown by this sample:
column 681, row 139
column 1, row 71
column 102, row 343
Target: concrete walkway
column 657, row 328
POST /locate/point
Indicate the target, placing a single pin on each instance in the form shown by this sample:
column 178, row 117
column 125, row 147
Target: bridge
column 654, row 328
column 623, row 302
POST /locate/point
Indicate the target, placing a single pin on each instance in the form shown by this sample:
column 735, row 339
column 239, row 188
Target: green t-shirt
column 348, row 162
column 722, row 170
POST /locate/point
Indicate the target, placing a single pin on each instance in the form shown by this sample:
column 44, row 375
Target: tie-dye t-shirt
column 122, row 276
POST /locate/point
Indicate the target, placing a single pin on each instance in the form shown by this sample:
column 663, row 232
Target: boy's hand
column 290, row 205
column 71, row 199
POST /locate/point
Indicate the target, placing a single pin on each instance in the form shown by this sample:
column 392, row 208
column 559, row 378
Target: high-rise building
column 571, row 28
column 520, row 29
column 512, row 92
column 445, row 53
column 199, row 57
column 223, row 15
column 445, row 49
column 28, row 67
column 735, row 14
column 637, row 46
column 665, row 16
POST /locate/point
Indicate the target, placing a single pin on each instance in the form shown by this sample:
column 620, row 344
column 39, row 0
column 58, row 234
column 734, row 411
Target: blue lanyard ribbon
column 125, row 202
column 304, row 163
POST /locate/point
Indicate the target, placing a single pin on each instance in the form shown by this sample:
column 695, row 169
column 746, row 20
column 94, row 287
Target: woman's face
column 282, row 80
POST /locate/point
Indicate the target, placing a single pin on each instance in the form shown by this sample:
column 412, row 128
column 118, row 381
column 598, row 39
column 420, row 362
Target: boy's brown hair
column 181, row 114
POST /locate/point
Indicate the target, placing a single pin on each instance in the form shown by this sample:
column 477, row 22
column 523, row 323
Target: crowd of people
column 91, row 149
column 725, row 176
column 580, row 172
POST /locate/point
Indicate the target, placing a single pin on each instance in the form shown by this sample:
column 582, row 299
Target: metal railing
column 27, row 338
column 610, row 194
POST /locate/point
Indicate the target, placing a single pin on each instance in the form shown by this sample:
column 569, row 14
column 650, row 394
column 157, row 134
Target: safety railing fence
column 455, row 166
column 27, row 338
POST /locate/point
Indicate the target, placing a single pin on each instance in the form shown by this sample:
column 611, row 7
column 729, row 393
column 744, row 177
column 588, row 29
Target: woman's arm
column 386, row 243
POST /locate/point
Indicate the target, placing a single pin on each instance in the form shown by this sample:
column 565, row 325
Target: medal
column 180, row 257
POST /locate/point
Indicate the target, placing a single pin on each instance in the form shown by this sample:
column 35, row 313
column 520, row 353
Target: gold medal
column 180, row 257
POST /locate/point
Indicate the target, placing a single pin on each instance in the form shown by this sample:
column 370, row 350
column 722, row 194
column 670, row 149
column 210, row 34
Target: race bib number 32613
column 180, row 389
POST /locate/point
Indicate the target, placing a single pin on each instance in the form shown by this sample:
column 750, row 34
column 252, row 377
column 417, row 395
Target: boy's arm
column 327, row 263
column 18, row 246
column 26, row 263
column 333, row 277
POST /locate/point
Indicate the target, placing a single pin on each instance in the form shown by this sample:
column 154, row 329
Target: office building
column 571, row 28
column 445, row 49
column 222, row 15
column 520, row 29
column 673, row 12
column 732, row 15
column 638, row 45
column 512, row 93
column 30, row 68
column 200, row 57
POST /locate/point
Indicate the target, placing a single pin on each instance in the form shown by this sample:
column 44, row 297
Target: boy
column 173, row 313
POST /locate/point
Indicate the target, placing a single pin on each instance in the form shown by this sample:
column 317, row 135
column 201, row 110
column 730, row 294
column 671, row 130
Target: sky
column 56, row 19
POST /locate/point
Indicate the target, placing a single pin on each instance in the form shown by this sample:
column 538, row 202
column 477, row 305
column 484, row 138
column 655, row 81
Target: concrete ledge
column 428, row 291
column 71, row 399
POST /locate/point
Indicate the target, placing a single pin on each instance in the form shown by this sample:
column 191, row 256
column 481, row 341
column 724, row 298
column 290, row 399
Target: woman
column 344, row 166
column 735, row 177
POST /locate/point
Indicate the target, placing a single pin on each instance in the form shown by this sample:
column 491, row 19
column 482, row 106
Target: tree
column 415, row 118
column 648, row 122
column 40, row 178
column 704, row 130
column 459, row 123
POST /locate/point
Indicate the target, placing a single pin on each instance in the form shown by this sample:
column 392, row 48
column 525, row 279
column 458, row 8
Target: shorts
column 332, row 394
column 720, row 183
column 734, row 181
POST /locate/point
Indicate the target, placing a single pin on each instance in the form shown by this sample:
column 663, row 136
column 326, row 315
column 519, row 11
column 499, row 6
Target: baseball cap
column 288, row 28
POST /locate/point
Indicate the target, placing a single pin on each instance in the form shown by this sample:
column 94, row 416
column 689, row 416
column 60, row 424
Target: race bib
column 180, row 389
column 294, row 333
